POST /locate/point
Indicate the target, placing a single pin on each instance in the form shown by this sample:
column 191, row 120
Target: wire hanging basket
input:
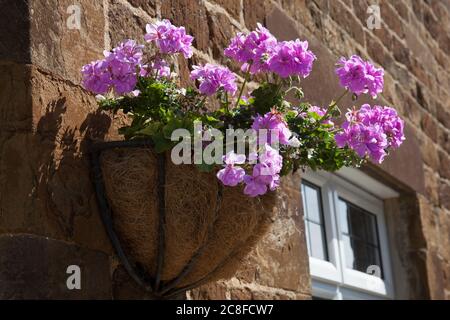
column 173, row 227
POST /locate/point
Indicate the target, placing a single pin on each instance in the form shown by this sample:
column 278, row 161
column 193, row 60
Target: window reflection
column 359, row 237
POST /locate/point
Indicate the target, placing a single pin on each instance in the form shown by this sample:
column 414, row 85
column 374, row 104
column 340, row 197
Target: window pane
column 316, row 241
column 314, row 227
column 359, row 237
column 358, row 255
column 312, row 196
column 308, row 244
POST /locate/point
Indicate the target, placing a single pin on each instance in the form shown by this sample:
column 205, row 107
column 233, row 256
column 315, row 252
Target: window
column 346, row 235
column 312, row 200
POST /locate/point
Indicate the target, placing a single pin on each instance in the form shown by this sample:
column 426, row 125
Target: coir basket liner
column 174, row 227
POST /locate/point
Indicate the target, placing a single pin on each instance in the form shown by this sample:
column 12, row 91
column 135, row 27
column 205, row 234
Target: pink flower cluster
column 370, row 131
column 360, row 76
column 265, row 174
column 275, row 125
column 212, row 78
column 232, row 175
column 262, row 52
column 254, row 48
column 169, row 38
column 292, row 58
column 117, row 71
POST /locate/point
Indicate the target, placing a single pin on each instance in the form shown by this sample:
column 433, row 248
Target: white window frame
column 332, row 279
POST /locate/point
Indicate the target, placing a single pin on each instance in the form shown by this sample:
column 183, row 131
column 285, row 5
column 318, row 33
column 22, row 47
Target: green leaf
column 151, row 129
column 266, row 97
column 171, row 127
column 161, row 143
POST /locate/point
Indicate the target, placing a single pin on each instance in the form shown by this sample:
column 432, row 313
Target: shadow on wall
column 65, row 177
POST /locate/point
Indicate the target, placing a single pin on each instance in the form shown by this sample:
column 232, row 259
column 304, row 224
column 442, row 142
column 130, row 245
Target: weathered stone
column 45, row 180
column 377, row 51
column 347, row 20
column 33, row 267
column 444, row 168
column 69, row 48
column 221, row 31
column 443, row 115
column 234, row 7
column 15, row 26
column 401, row 52
column 401, row 9
column 408, row 172
column 275, row 295
column 124, row 24
column 310, row 13
column 192, row 15
column 444, row 139
column 241, row 294
column 212, row 291
column 386, row 37
column 429, row 126
column 148, row 6
column 435, row 274
column 429, row 153
column 444, row 194
column 430, row 222
column 15, row 108
column 432, row 186
column 431, row 23
column 255, row 11
column 280, row 259
column 390, row 17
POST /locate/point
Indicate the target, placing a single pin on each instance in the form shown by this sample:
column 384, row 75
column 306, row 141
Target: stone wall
column 48, row 211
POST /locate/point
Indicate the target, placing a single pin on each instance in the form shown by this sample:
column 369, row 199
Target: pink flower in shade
column 212, row 78
column 292, row 58
column 265, row 175
column 232, row 175
column 118, row 70
column 169, row 38
column 360, row 76
column 256, row 184
column 274, row 123
column 96, row 77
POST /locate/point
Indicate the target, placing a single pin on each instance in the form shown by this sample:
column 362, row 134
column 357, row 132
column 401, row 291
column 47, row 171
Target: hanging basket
column 173, row 227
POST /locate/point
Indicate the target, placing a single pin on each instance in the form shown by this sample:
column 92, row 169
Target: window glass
column 359, row 237
column 314, row 226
